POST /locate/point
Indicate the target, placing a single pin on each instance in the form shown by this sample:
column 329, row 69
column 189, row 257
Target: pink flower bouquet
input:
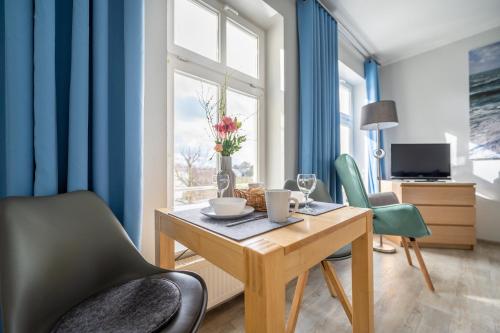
column 227, row 139
column 223, row 128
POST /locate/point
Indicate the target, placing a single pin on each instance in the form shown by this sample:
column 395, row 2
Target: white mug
column 278, row 205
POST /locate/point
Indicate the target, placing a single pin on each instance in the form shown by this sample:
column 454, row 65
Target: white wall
column 286, row 8
column 431, row 91
column 155, row 120
column 350, row 57
column 275, row 106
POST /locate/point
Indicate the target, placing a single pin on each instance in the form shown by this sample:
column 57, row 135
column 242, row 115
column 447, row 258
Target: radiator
column 220, row 285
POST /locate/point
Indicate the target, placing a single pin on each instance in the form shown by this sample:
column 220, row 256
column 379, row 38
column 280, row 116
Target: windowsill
column 191, row 206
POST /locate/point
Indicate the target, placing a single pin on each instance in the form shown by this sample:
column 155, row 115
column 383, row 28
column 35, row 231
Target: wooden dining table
column 267, row 262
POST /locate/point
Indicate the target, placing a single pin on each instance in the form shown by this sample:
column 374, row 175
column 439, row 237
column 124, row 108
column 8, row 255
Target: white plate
column 303, row 203
column 208, row 211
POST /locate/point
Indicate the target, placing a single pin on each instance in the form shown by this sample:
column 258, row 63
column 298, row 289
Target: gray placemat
column 238, row 232
column 320, row 208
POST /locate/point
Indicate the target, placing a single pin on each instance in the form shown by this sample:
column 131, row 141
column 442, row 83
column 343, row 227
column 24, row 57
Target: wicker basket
column 255, row 198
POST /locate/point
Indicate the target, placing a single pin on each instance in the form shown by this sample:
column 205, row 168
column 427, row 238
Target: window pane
column 345, row 139
column 245, row 108
column 242, row 49
column 196, row 28
column 345, row 99
column 193, row 146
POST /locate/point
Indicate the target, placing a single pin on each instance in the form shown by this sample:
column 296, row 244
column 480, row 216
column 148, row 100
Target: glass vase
column 226, row 165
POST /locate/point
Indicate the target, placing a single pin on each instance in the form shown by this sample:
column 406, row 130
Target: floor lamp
column 379, row 116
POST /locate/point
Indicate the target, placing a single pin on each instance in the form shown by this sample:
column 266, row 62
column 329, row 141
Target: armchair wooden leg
column 421, row 263
column 339, row 290
column 407, row 251
column 297, row 300
column 324, row 269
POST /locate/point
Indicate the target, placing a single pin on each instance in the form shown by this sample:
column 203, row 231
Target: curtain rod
column 351, row 38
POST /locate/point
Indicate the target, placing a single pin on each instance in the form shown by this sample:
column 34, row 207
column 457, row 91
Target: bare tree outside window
column 193, row 176
column 185, row 173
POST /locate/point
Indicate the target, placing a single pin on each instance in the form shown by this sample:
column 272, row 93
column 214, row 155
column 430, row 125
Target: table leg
column 164, row 247
column 264, row 288
column 362, row 282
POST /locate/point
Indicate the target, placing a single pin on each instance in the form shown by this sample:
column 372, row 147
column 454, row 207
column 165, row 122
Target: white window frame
column 189, row 63
column 348, row 120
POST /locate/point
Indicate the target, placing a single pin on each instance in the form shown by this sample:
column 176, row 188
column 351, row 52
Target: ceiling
column 392, row 30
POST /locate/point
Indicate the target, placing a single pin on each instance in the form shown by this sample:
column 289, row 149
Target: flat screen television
column 420, row 161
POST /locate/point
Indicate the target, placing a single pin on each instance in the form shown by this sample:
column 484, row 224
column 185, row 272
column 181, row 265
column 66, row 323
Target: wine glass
column 306, row 184
column 221, row 180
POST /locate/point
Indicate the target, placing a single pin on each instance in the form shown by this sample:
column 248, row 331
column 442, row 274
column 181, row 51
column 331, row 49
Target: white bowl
column 227, row 206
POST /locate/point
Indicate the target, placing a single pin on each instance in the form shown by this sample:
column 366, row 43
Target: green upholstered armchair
column 401, row 220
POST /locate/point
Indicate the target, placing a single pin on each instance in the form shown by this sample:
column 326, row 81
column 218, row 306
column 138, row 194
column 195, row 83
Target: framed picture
column 484, row 96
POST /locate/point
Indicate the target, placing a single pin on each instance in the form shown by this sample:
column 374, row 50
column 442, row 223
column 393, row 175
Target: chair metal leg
column 339, row 290
column 407, row 251
column 297, row 300
column 421, row 263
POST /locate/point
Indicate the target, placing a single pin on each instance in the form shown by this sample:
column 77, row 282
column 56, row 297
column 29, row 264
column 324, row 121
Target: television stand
column 448, row 208
column 429, row 180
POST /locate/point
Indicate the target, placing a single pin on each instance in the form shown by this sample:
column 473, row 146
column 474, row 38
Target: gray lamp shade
column 379, row 115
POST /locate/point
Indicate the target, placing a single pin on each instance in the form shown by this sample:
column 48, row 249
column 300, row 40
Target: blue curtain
column 71, row 101
column 319, row 116
column 373, row 95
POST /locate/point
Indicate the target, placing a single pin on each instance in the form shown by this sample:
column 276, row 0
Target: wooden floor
column 467, row 297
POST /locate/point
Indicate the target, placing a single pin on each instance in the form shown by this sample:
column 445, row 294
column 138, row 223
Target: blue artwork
column 484, row 94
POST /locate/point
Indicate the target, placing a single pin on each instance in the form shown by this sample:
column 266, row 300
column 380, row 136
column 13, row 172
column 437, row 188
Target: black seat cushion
column 140, row 306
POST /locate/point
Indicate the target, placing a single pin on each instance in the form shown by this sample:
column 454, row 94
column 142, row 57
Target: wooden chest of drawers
column 447, row 208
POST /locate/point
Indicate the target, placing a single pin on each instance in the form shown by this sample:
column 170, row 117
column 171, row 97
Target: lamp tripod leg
column 380, row 246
